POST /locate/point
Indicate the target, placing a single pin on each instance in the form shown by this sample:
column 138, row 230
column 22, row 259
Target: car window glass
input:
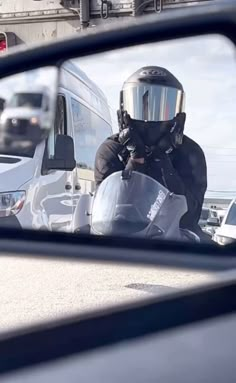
column 60, row 125
column 60, row 199
column 231, row 217
column 90, row 130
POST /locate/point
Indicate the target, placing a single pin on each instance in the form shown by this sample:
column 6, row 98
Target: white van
column 32, row 106
column 34, row 193
column 26, row 114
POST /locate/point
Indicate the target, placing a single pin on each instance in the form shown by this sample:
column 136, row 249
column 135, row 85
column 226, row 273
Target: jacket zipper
column 163, row 178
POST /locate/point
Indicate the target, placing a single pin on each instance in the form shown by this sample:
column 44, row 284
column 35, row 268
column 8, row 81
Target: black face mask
column 164, row 135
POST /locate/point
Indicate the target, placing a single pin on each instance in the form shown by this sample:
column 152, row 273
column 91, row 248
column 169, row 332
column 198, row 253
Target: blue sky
column 206, row 67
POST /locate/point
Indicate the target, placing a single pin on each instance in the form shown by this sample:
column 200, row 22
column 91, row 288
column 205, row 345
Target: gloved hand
column 172, row 139
column 131, row 140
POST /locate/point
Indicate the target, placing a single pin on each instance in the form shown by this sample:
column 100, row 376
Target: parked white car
column 226, row 233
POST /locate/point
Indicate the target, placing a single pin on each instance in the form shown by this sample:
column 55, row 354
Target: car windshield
column 26, row 100
column 75, row 133
column 231, row 217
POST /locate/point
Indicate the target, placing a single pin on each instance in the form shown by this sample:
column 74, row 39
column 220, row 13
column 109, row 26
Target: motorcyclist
column 151, row 140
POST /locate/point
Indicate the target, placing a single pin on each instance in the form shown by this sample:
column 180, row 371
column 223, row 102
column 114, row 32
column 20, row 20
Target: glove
column 172, row 139
column 131, row 139
column 133, row 143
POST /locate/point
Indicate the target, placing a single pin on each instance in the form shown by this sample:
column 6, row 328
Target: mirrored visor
column 148, row 102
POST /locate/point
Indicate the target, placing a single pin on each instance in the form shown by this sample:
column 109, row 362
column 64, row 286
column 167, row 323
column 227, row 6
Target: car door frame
column 64, row 198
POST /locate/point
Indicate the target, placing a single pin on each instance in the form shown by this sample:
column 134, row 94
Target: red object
column 3, row 45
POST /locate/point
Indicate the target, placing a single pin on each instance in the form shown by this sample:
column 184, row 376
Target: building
column 30, row 21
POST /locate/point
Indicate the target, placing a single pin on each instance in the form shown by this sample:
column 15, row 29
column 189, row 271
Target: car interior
column 184, row 336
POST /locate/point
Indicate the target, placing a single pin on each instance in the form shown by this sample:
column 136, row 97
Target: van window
column 90, row 131
column 60, row 125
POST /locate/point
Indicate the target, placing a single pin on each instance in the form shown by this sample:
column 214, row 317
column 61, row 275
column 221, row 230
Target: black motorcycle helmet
column 154, row 101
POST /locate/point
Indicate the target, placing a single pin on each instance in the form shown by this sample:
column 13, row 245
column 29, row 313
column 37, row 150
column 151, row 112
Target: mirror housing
column 213, row 221
column 64, row 158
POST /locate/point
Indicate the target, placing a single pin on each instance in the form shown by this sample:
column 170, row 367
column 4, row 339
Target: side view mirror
column 213, row 221
column 64, row 158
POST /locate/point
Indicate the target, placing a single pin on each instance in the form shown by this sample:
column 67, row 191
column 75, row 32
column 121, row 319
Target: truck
column 30, row 21
column 26, row 115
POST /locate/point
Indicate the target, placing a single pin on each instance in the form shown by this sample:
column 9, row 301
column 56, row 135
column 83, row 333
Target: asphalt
column 35, row 290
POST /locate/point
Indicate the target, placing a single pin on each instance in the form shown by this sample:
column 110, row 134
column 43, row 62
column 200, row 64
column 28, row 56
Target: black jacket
column 184, row 173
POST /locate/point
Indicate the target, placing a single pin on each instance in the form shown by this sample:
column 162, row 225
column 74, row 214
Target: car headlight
column 35, row 121
column 11, row 203
column 222, row 240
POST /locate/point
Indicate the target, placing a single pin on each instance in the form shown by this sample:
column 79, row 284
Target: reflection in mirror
column 50, row 189
column 174, row 132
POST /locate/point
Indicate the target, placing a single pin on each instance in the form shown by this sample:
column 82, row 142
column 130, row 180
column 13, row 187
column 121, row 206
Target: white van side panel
column 51, row 198
column 84, row 98
column 48, row 204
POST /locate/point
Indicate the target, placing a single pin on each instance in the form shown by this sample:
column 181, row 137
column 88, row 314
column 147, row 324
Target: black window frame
column 56, row 132
column 46, row 155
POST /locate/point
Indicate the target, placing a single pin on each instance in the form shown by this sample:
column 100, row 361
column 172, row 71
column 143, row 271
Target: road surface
column 34, row 290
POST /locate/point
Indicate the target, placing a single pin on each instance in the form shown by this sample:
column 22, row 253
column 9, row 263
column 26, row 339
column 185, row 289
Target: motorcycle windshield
column 126, row 206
